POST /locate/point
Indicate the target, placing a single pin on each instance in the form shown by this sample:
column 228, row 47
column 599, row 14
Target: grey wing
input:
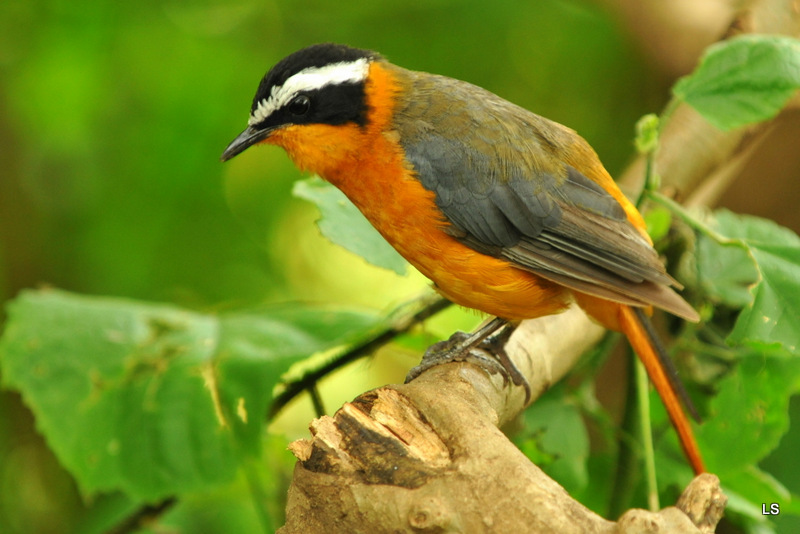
column 541, row 216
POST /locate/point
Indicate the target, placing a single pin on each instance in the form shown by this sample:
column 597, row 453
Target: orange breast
column 405, row 213
column 369, row 167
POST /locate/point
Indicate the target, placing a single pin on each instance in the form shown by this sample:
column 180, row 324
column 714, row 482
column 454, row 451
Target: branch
column 692, row 152
column 428, row 456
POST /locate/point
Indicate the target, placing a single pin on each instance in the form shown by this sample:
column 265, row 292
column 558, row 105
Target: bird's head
column 310, row 103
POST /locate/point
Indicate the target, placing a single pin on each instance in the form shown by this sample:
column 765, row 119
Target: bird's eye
column 299, row 105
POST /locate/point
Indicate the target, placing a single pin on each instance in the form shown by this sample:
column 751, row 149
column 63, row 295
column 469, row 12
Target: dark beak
column 249, row 137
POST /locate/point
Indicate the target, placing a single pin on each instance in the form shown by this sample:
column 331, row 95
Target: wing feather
column 515, row 198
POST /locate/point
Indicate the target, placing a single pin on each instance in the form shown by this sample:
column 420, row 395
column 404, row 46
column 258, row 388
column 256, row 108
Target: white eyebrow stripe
column 309, row 79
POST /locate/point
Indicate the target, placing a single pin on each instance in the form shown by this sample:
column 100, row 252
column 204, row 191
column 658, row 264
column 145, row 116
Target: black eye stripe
column 333, row 104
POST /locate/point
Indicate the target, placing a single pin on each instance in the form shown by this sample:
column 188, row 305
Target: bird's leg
column 495, row 344
column 484, row 347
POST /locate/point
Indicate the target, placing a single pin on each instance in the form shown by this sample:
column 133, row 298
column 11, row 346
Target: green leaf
column 151, row 399
column 726, row 271
column 743, row 80
column 556, row 439
column 344, row 225
column 751, row 512
column 758, row 487
column 750, row 411
column 257, row 346
column 773, row 315
column 105, row 511
column 743, row 423
column 253, row 503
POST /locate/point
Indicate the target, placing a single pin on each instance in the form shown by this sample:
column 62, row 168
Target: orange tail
column 640, row 339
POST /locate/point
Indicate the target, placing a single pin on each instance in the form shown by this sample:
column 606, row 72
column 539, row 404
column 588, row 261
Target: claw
column 485, row 347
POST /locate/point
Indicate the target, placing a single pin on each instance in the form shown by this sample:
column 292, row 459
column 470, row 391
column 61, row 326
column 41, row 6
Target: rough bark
column 429, row 456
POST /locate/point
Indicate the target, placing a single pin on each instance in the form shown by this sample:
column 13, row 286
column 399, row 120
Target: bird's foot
column 485, row 348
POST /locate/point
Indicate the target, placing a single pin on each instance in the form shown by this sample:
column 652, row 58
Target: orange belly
column 459, row 273
column 404, row 212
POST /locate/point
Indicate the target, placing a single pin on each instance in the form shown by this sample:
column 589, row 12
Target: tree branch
column 428, row 456
column 692, row 151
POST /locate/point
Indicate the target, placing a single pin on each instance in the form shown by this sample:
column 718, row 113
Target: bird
column 505, row 211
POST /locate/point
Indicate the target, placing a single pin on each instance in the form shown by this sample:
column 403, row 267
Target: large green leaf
column 760, row 487
column 743, row 80
column 743, row 423
column 751, row 264
column 151, row 399
column 750, row 410
column 556, row 439
column 726, row 271
column 343, row 224
column 773, row 314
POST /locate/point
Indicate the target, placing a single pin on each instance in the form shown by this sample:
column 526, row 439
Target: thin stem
column 687, row 218
column 648, row 180
column 316, row 400
column 643, row 402
column 380, row 338
column 648, row 129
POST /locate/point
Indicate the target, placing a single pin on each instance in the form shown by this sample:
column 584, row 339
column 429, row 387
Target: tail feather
column 635, row 325
column 666, row 363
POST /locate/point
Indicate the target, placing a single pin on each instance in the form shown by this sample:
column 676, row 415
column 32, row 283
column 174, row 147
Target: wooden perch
column 429, row 457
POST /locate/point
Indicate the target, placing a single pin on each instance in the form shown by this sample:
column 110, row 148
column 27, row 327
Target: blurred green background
column 113, row 118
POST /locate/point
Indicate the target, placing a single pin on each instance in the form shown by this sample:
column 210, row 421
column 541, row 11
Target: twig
column 316, row 400
column 381, row 338
column 143, row 516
